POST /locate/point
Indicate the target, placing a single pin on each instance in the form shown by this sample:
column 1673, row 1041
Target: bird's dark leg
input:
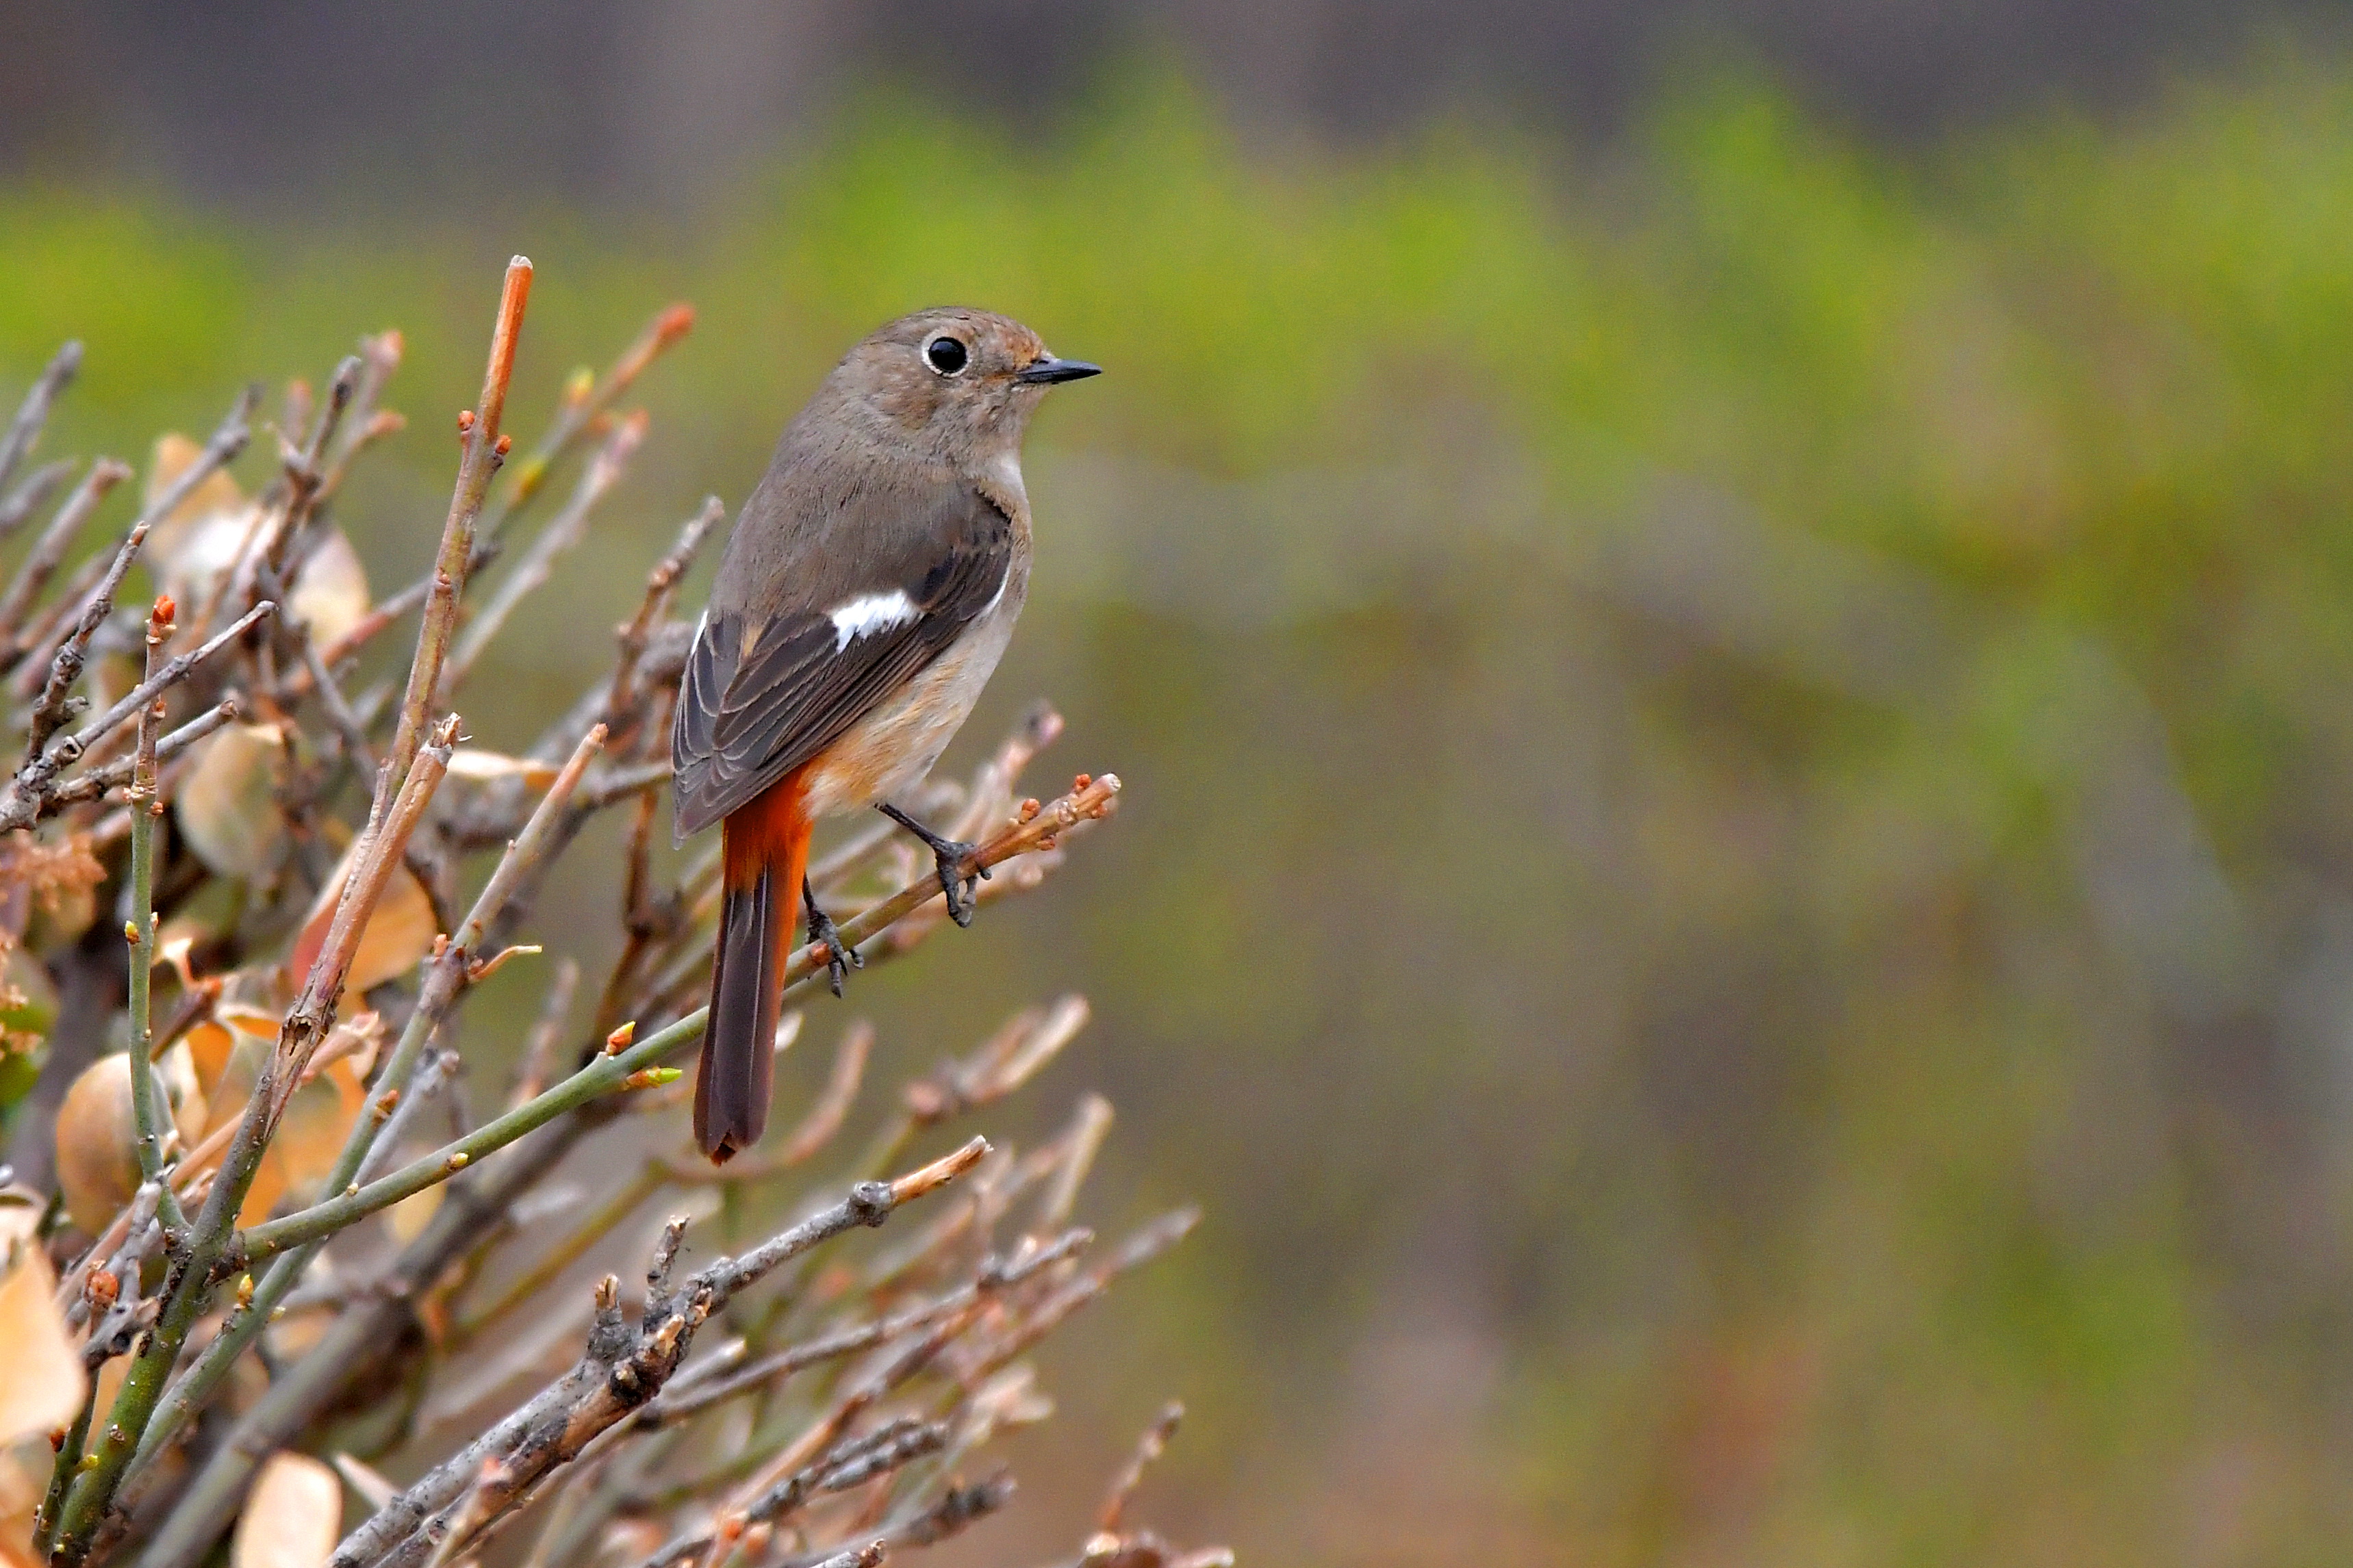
column 949, row 853
column 840, row 958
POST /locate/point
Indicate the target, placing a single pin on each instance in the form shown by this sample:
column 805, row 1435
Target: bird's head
column 959, row 381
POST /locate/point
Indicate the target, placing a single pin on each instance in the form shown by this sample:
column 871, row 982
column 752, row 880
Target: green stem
column 147, row 1111
column 62, row 1476
column 199, row 1263
column 600, row 1077
column 444, row 985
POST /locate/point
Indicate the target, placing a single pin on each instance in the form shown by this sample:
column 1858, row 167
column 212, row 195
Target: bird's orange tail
column 764, row 858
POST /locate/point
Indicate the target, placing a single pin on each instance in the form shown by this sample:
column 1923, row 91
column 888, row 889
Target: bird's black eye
column 946, row 354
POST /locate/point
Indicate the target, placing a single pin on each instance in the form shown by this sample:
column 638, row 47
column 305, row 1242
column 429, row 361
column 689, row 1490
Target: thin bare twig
column 662, row 584
column 149, row 1113
column 41, row 562
column 483, row 448
column 547, row 1034
column 563, row 531
column 49, row 709
column 33, row 791
column 97, row 781
column 580, row 410
column 620, row 1372
column 33, row 412
column 34, row 493
column 1149, row 1447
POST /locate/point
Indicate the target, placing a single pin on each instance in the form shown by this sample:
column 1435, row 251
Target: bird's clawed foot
column 840, row 958
column 949, row 853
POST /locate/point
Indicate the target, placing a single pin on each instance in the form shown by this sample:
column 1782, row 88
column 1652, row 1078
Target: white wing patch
column 869, row 613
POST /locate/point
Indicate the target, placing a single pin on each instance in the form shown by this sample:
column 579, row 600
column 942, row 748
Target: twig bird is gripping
column 865, row 597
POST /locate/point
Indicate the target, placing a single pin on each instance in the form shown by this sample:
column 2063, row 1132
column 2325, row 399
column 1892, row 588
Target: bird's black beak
column 1047, row 372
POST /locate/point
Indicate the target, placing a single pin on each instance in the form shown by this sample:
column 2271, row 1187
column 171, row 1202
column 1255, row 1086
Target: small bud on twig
column 101, row 1288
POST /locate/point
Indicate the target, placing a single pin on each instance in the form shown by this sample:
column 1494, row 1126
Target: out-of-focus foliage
column 1888, row 1095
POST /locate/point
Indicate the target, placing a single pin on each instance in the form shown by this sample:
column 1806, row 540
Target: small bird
column 864, row 598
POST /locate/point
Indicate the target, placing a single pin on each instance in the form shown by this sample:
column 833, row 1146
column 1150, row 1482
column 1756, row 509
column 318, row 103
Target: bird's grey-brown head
column 954, row 380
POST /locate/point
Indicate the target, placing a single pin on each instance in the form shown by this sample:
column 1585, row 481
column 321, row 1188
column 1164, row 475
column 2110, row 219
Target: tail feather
column 764, row 858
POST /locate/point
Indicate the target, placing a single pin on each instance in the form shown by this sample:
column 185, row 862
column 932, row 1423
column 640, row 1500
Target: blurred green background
column 1737, row 881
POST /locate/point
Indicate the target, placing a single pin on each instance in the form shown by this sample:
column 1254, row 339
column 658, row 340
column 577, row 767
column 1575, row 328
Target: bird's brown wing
column 745, row 719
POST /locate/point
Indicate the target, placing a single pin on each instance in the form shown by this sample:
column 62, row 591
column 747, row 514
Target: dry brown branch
column 1150, row 1447
column 115, row 775
column 910, row 1360
column 21, row 800
column 547, row 1035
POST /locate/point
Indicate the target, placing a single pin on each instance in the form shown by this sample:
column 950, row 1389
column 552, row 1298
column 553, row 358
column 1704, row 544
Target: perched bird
column 864, row 598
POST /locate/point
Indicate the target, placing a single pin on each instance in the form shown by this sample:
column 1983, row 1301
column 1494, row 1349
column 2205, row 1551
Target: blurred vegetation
column 1737, row 883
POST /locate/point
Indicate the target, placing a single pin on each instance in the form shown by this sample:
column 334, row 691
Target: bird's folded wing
column 747, row 717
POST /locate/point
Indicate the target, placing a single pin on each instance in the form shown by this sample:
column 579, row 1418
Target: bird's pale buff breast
column 895, row 744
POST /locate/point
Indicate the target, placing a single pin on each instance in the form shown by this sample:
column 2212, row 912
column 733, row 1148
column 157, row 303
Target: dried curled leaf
column 44, row 1384
column 227, row 807
column 97, row 1154
column 211, row 1042
column 331, row 592
column 292, row 1517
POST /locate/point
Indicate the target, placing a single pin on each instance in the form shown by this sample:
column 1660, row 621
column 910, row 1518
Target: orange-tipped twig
column 482, row 448
column 579, row 412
